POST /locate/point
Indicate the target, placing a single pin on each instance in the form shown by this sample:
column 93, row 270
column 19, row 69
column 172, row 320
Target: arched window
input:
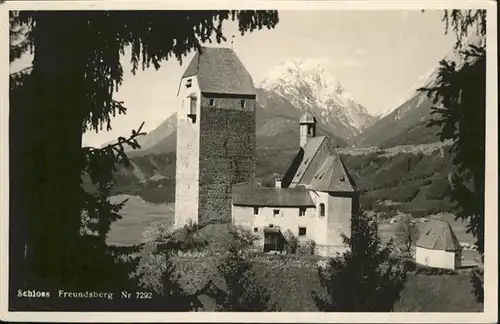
column 321, row 209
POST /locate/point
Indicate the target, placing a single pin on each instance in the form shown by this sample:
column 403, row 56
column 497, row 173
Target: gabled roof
column 303, row 160
column 250, row 195
column 332, row 177
column 219, row 70
column 439, row 236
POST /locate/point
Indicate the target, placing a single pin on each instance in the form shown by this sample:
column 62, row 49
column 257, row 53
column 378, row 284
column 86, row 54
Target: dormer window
column 243, row 103
column 211, row 102
column 189, row 83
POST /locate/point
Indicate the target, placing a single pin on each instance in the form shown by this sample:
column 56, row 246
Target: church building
column 315, row 199
column 215, row 135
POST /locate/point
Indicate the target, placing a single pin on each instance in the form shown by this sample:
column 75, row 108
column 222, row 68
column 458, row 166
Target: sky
column 376, row 55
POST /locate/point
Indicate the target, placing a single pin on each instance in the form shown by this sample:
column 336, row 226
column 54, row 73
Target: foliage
column 407, row 233
column 242, row 290
column 156, row 271
column 307, row 248
column 363, row 279
column 477, row 281
column 68, row 91
column 460, row 103
column 292, row 242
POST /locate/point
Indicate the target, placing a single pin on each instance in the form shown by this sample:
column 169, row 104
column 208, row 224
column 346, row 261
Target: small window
column 256, row 210
column 342, row 179
column 276, row 212
column 211, row 102
column 271, row 225
column 302, row 231
column 302, row 211
column 243, row 103
column 189, row 83
column 321, row 209
column 255, row 229
column 192, row 106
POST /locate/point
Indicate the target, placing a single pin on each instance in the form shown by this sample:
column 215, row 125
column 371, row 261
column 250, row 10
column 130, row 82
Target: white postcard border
column 491, row 188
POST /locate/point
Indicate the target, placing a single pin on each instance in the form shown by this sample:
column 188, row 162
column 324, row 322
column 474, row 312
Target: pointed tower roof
column 307, row 118
column 439, row 236
column 219, row 70
column 332, row 177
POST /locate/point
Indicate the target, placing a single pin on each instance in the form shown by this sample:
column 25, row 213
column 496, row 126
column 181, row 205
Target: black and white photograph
column 184, row 162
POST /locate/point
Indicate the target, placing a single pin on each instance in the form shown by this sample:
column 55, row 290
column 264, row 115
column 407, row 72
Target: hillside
column 407, row 124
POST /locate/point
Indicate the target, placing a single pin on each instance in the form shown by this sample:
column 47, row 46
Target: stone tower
column 307, row 128
column 215, row 135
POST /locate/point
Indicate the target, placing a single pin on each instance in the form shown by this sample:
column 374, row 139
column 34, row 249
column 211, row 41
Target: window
column 321, row 209
column 211, row 102
column 189, row 83
column 276, row 212
column 256, row 210
column 302, row 211
column 192, row 106
column 192, row 109
column 255, row 229
column 302, row 231
column 243, row 104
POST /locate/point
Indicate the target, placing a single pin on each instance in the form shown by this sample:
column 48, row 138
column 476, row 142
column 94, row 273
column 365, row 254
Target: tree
column 242, row 291
column 157, row 271
column 407, row 233
column 364, row 278
column 459, row 99
column 68, row 91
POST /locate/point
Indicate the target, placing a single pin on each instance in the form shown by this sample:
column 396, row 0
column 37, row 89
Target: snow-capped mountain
column 310, row 87
column 424, row 80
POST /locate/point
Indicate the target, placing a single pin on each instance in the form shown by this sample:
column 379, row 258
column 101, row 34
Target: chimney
column 278, row 183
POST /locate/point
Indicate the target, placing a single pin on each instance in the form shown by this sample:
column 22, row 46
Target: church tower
column 215, row 135
column 307, row 128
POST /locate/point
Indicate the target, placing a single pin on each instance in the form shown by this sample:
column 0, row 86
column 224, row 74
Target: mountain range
column 293, row 88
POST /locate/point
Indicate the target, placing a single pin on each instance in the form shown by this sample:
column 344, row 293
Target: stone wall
column 227, row 154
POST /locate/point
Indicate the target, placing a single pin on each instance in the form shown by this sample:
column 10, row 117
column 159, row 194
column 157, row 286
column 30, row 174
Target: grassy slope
column 291, row 285
column 413, row 183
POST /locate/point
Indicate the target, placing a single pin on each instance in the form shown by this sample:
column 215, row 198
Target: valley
column 392, row 156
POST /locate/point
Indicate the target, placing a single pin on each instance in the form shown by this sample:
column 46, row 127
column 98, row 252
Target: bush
column 292, row 242
column 307, row 248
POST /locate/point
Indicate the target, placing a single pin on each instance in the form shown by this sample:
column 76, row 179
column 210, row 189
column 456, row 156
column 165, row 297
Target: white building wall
column 287, row 219
column 339, row 219
column 437, row 258
column 188, row 153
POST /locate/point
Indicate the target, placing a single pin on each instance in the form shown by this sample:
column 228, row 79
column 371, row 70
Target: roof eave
column 273, row 205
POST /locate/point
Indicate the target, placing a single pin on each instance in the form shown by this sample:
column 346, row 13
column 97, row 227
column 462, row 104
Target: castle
column 215, row 176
